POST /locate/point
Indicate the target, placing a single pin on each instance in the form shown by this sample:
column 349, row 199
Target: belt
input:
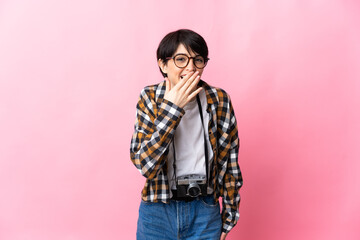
column 185, row 199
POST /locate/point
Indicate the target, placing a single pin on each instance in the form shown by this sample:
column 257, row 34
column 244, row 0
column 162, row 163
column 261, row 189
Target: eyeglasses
column 182, row 60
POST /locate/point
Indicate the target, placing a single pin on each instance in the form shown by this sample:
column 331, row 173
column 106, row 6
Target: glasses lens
column 181, row 60
column 199, row 62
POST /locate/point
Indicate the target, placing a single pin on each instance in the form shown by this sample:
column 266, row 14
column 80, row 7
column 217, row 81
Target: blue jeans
column 198, row 219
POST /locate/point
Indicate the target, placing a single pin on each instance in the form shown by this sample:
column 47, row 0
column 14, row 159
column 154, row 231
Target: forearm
column 230, row 209
column 232, row 184
column 152, row 137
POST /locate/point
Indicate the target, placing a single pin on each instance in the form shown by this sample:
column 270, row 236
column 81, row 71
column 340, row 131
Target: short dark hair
column 191, row 40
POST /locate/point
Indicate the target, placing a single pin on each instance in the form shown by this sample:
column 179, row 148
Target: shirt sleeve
column 154, row 129
column 232, row 178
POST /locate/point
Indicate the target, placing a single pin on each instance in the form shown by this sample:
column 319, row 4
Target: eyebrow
column 186, row 54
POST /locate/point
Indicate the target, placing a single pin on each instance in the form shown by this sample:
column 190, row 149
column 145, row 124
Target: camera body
column 192, row 185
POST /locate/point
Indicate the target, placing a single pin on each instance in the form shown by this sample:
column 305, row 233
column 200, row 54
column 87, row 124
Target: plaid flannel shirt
column 156, row 122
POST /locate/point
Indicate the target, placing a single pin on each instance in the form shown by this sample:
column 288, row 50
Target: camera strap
column 205, row 145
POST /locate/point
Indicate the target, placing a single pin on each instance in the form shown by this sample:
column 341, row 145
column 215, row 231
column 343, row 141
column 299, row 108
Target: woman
column 186, row 145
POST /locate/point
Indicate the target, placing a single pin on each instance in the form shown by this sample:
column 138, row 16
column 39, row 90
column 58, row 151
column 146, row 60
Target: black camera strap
column 205, row 145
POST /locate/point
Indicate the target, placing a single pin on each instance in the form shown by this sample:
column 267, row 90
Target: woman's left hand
column 223, row 236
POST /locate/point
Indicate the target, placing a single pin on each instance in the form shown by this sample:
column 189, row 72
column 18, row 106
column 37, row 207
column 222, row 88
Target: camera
column 191, row 185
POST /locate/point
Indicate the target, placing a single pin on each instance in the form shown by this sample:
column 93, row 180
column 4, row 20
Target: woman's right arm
column 155, row 126
column 154, row 129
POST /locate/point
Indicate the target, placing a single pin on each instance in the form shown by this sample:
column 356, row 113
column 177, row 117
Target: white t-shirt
column 189, row 143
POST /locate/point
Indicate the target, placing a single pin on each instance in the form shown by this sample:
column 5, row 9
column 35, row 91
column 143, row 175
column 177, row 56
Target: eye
column 180, row 59
column 199, row 60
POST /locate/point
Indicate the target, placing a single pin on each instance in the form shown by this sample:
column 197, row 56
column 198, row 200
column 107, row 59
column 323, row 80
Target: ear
column 162, row 66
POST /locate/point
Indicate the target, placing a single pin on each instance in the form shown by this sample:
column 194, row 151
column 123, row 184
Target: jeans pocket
column 209, row 201
column 146, row 203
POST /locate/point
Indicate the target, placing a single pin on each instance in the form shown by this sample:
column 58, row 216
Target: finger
column 194, row 93
column 190, row 80
column 223, row 236
column 189, row 76
column 193, row 85
column 182, row 81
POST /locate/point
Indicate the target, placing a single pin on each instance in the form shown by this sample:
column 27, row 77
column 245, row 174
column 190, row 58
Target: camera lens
column 194, row 190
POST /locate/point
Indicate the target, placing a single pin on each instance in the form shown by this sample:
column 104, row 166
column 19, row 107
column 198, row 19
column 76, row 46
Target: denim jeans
column 198, row 219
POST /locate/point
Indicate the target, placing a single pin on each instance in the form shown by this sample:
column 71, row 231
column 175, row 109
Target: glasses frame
column 173, row 58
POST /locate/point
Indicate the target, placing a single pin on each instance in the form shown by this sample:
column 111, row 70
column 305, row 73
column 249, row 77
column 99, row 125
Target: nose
column 191, row 66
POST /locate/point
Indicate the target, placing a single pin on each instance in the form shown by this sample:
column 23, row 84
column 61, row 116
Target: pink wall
column 70, row 76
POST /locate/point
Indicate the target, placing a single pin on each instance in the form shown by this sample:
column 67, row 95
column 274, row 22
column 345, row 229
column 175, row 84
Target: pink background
column 70, row 76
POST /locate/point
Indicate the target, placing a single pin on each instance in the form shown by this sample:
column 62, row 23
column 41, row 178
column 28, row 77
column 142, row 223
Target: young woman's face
column 175, row 73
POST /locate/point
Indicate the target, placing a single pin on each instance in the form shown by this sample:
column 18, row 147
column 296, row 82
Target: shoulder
column 216, row 94
column 153, row 91
column 150, row 89
column 223, row 95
